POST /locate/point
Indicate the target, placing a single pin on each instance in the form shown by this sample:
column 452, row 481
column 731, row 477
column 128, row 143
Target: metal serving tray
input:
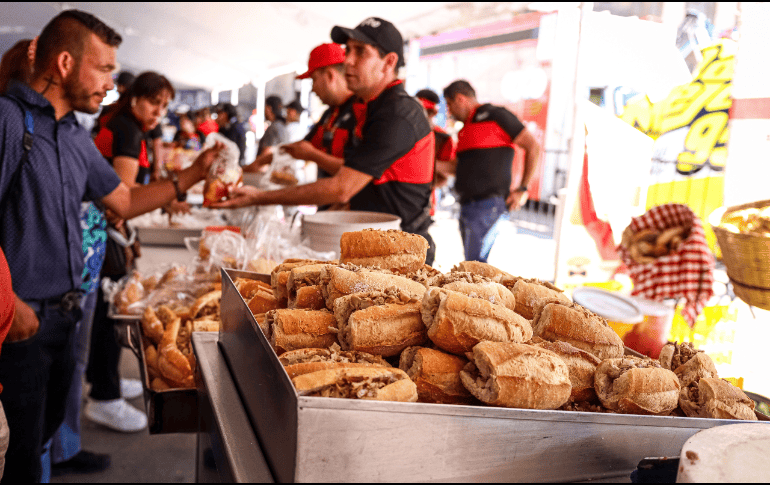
column 170, row 411
column 333, row 440
column 165, row 236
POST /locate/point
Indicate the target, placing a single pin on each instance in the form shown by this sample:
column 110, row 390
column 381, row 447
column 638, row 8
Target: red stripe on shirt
column 416, row 167
column 486, row 134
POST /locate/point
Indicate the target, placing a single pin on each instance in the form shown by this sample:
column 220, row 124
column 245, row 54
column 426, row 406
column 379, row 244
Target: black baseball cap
column 374, row 31
column 296, row 106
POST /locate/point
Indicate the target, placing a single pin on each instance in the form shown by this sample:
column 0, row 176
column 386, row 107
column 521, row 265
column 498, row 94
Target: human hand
column 25, row 323
column 113, row 219
column 177, row 207
column 203, row 162
column 242, row 196
column 301, row 150
column 516, row 199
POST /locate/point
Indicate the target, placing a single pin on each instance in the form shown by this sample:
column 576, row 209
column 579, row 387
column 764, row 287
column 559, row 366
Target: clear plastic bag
column 285, row 171
column 225, row 172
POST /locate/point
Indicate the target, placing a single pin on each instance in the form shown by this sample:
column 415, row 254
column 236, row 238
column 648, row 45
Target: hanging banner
column 691, row 132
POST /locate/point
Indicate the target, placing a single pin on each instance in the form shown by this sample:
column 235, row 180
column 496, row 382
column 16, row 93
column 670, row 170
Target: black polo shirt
column 331, row 133
column 485, row 153
column 393, row 142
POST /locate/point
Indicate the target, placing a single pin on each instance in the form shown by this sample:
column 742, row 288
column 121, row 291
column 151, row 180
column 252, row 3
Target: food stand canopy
column 218, row 46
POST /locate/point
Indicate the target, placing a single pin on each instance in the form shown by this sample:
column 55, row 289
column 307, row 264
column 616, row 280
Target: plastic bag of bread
column 224, row 173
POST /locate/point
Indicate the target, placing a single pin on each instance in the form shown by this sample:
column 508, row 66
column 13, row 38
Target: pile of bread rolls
column 647, row 245
column 380, row 324
column 755, row 221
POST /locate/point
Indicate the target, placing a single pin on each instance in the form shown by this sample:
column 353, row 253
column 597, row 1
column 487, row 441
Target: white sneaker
column 116, row 414
column 131, row 388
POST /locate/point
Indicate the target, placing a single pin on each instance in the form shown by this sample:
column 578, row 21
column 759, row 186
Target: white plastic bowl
column 324, row 229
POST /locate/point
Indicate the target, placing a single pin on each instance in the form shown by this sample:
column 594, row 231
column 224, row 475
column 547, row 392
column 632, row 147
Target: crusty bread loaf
column 207, row 304
column 475, row 286
column 337, row 282
column 301, row 329
column 716, row 398
column 689, row 364
column 304, row 287
column 530, row 292
column 582, row 367
column 392, row 250
column 436, row 374
column 482, row 269
column 248, row 288
column 631, row 385
column 456, row 322
column 379, row 322
column 517, row 376
column 304, row 361
column 569, row 322
column 262, row 302
column 374, row 383
column 279, row 277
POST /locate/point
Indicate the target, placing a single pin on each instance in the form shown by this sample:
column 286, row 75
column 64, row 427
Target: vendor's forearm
column 530, row 164
column 329, row 163
column 322, row 192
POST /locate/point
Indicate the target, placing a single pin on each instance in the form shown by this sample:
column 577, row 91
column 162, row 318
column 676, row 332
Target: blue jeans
column 479, row 225
column 36, row 374
column 66, row 441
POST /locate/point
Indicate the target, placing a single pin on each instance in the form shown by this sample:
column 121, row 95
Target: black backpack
column 29, row 130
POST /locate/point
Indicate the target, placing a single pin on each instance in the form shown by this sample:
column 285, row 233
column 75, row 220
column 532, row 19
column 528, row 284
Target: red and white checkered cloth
column 688, row 273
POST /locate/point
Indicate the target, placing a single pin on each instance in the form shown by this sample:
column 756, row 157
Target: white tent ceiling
column 225, row 45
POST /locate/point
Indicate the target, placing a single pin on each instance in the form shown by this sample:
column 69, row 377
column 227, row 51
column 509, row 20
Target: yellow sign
column 691, row 132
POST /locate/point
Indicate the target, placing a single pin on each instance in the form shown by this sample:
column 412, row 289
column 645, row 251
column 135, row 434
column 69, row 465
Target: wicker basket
column 746, row 257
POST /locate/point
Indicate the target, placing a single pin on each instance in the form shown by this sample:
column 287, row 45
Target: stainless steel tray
column 165, row 236
column 317, row 439
column 170, row 411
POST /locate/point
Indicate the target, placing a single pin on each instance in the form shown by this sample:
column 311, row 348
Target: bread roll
column 530, row 292
column 517, row 376
column 631, row 385
column 279, row 277
column 581, row 365
column 475, row 286
column 456, row 322
column 205, row 324
column 569, row 322
column 304, row 361
column 482, row 269
column 716, row 398
column 436, row 374
column 301, row 329
column 379, row 322
column 375, row 383
column 393, row 250
column 304, row 287
column 206, row 305
column 340, row 281
column 689, row 365
column 248, row 288
column 151, row 325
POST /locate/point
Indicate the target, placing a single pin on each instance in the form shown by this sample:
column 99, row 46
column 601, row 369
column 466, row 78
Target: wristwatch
column 521, row 188
column 180, row 196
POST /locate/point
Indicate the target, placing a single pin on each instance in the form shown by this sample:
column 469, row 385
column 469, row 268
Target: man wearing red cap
column 326, row 141
column 445, row 144
column 389, row 155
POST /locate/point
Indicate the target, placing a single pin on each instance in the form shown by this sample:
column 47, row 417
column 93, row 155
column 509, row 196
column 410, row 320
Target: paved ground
column 520, row 249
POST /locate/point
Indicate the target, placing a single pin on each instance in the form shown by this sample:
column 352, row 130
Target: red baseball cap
column 322, row 56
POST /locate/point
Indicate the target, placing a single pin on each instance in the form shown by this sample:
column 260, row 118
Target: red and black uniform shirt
column 122, row 136
column 331, row 133
column 446, row 148
column 485, row 153
column 393, row 142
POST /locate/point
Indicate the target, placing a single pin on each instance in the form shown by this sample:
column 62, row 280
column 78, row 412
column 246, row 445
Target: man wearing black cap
column 445, row 144
column 275, row 134
column 389, row 157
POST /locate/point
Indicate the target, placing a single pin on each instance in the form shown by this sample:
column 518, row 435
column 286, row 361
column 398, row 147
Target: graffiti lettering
column 703, row 136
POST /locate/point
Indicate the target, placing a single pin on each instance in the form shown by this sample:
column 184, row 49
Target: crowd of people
column 67, row 192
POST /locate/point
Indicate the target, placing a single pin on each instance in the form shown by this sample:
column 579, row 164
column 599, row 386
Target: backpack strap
column 29, row 130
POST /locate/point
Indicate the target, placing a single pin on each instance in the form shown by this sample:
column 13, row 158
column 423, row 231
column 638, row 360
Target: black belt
column 66, row 302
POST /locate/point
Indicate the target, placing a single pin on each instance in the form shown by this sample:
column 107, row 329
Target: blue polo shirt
column 40, row 229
